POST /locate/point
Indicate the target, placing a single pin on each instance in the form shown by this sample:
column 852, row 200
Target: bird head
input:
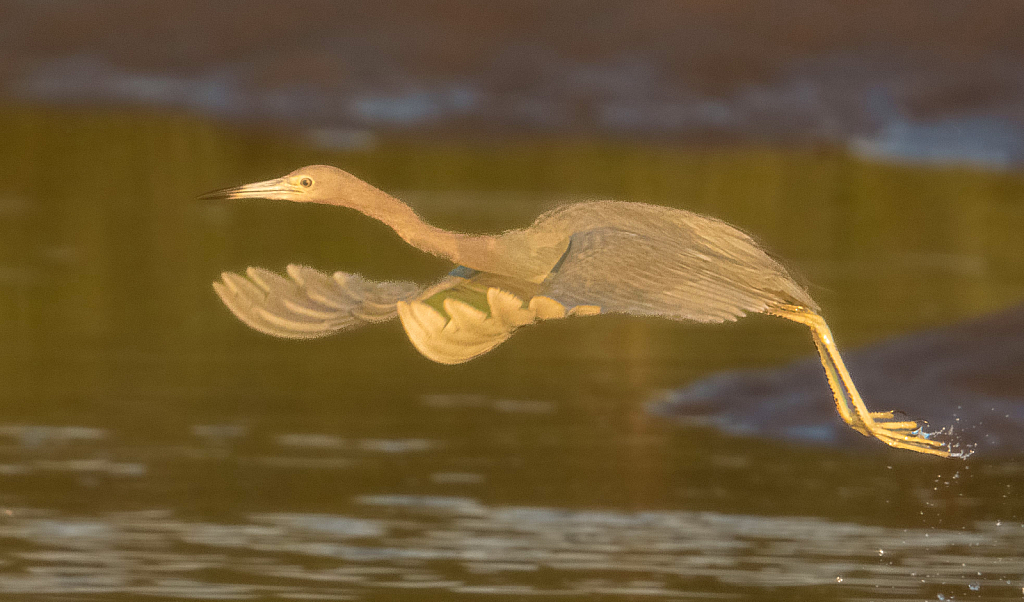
column 310, row 184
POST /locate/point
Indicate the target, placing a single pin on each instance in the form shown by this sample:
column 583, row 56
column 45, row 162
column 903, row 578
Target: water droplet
column 974, row 586
column 881, row 552
column 839, row 579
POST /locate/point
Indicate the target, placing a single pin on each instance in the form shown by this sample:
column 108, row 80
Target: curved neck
column 463, row 249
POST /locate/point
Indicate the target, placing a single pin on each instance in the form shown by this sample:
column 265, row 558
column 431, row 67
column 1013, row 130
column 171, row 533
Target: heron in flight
column 579, row 259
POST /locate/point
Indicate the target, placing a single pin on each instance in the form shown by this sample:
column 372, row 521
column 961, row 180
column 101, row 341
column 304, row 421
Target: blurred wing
column 311, row 303
column 673, row 277
column 461, row 318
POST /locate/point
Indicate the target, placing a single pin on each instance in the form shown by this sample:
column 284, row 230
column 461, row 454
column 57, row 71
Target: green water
column 151, row 445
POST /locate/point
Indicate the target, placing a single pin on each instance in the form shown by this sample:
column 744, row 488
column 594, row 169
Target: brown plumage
column 579, row 259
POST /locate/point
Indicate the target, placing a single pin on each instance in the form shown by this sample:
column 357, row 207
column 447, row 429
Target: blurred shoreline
column 931, row 83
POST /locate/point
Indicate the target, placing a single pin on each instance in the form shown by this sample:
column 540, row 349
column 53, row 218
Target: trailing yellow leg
column 884, row 426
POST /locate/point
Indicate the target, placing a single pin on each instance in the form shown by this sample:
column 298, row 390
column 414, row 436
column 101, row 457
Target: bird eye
column 306, row 182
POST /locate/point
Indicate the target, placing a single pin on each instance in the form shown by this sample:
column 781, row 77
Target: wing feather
column 681, row 278
column 310, row 303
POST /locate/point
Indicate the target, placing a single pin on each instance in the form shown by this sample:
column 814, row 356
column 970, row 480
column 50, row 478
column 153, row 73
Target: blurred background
column 152, row 446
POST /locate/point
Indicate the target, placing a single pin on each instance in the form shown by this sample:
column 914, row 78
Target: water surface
column 152, row 446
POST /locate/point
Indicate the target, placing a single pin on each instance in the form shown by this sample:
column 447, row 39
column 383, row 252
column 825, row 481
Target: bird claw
column 889, row 422
column 906, row 434
column 890, row 427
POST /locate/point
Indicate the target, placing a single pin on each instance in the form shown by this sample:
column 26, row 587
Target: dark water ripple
column 402, row 543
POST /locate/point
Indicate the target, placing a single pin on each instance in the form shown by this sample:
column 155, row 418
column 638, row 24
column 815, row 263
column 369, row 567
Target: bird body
column 578, row 259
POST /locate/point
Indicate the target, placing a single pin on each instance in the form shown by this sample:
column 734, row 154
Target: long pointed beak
column 277, row 189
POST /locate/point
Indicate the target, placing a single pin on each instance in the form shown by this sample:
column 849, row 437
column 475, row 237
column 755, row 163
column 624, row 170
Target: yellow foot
column 892, row 422
column 906, row 434
column 891, row 428
column 886, row 421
